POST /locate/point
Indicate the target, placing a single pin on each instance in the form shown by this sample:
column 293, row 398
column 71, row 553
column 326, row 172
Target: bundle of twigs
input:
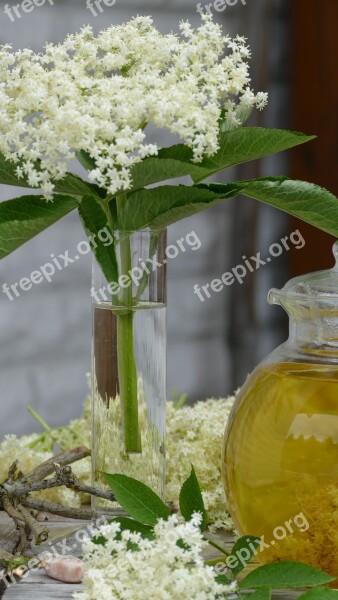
column 16, row 500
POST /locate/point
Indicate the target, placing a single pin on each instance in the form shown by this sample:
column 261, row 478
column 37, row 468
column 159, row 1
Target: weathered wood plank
column 45, row 591
column 9, row 535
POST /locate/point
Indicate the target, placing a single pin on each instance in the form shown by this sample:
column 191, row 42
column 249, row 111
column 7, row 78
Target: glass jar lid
column 321, row 286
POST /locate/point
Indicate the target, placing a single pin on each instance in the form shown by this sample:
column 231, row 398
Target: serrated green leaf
column 243, row 550
column 285, row 575
column 134, row 526
column 156, row 169
column 319, row 593
column 239, row 146
column 191, row 500
column 160, row 207
column 70, row 184
column 250, row 143
column 94, row 220
column 23, row 218
column 306, row 201
column 137, row 499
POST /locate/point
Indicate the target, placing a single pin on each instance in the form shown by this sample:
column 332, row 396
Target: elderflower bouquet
column 93, row 98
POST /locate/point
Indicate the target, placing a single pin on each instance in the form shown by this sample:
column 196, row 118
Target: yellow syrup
column 281, row 463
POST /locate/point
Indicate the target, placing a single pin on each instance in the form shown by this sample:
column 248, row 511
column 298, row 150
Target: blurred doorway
column 314, row 96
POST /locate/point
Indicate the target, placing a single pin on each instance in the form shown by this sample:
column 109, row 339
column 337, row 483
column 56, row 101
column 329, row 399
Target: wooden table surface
column 36, row 585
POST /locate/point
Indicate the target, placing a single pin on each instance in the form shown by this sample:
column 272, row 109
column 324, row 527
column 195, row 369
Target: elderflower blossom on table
column 97, row 94
column 194, row 436
column 123, row 565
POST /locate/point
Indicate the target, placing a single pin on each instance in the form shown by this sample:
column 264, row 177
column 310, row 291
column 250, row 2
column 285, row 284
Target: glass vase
column 129, row 364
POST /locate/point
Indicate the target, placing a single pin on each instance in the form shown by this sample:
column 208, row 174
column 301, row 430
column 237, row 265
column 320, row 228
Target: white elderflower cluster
column 123, row 565
column 32, row 450
column 194, row 436
column 97, row 94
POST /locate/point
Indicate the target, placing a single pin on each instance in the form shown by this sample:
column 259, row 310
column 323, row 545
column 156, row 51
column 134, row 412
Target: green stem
column 125, row 353
column 217, row 546
column 39, row 419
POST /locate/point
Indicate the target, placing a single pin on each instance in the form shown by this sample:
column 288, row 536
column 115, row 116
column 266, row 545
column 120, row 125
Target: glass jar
column 129, row 364
column 280, row 455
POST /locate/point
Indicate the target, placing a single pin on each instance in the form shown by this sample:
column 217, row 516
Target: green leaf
column 319, row 593
column 155, row 169
column 85, row 160
column 99, row 540
column 23, row 218
column 241, row 145
column 191, row 500
column 134, row 526
column 250, row 143
column 285, row 575
column 95, row 222
column 70, row 184
column 222, row 579
column 160, row 207
column 137, row 499
column 242, row 553
column 306, row 201
column 263, row 593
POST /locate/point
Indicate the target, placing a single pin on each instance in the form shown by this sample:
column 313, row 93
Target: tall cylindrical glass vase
column 129, row 364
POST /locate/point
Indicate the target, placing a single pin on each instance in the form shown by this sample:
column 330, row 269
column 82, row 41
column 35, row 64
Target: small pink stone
column 68, row 569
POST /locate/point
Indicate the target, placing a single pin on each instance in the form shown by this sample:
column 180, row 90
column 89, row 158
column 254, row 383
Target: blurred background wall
column 45, row 334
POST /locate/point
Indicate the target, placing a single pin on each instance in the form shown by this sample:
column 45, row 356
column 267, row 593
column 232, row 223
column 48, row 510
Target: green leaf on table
column 319, row 593
column 242, row 552
column 137, row 499
column 23, row 218
column 70, row 184
column 191, row 500
column 95, row 223
column 239, row 146
column 263, row 593
column 285, row 575
column 134, row 526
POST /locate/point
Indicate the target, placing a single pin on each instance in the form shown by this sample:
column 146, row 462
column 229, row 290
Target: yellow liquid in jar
column 281, row 462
